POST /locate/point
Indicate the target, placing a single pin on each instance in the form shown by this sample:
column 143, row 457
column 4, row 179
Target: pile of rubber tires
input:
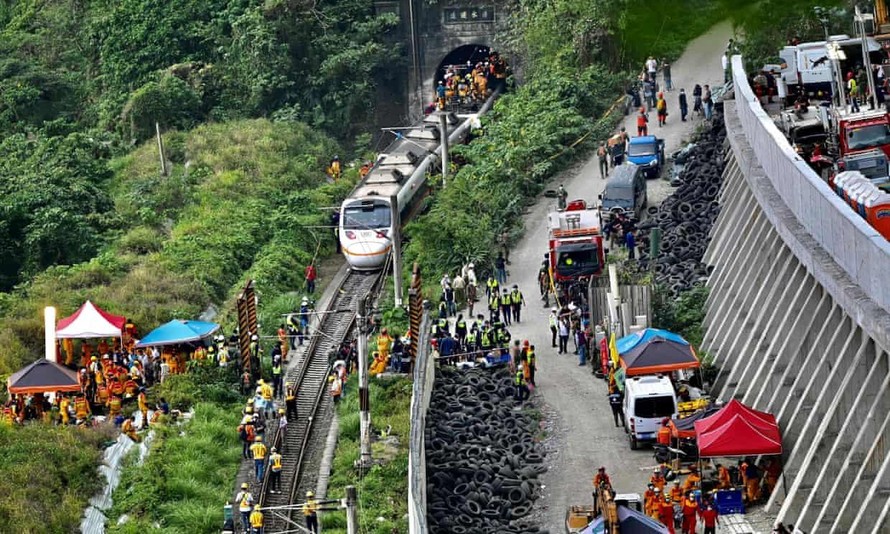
column 482, row 460
column 686, row 217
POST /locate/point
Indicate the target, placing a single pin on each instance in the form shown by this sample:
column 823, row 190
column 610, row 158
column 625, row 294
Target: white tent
column 90, row 322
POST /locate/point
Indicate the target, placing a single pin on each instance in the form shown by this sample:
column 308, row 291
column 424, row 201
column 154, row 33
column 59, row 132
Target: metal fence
column 852, row 243
column 424, row 376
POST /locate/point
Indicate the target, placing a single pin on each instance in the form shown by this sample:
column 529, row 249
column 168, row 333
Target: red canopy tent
column 736, row 437
column 762, row 421
column 43, row 376
column 89, row 322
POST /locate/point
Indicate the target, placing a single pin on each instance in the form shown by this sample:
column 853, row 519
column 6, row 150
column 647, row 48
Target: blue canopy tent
column 631, row 341
column 178, row 331
column 630, row 521
column 653, row 351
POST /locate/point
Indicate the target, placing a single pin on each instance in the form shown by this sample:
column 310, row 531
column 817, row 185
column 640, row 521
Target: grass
column 49, row 474
column 383, row 491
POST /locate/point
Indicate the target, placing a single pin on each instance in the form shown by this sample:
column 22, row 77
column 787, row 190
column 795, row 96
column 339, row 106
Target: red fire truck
column 576, row 244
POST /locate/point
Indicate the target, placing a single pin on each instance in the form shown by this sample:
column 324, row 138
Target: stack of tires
column 482, row 459
column 686, row 217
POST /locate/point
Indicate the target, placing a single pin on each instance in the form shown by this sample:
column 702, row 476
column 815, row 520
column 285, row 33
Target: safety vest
column 276, row 370
column 530, row 357
column 256, row 519
column 486, row 339
column 503, row 337
column 309, row 507
column 291, row 393
column 254, row 348
column 275, row 460
column 516, row 296
column 492, row 284
column 258, row 450
column 493, row 302
column 115, row 405
column 520, row 379
column 245, row 500
column 505, row 300
column 143, row 405
column 443, row 324
column 81, row 409
column 552, row 320
column 461, row 326
column 471, row 338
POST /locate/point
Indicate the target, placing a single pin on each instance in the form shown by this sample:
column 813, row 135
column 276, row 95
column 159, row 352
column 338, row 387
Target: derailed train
column 366, row 223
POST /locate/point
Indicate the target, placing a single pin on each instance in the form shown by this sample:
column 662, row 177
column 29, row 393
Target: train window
column 367, row 216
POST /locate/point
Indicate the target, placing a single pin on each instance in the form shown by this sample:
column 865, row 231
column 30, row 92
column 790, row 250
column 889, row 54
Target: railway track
column 310, row 375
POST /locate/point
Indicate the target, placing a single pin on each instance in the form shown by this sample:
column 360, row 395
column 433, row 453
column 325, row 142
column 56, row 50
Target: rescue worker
column 666, row 514
column 440, row 96
column 709, row 517
column 521, row 387
column 506, row 306
column 384, row 342
column 601, row 478
column 460, row 329
column 310, row 274
column 773, row 470
column 334, row 169
column 651, row 502
column 282, row 425
column 245, row 503
column 268, row 402
column 553, row 320
column 531, row 362
column 290, row 399
column 517, row 301
column 689, row 511
column 305, row 310
column 378, row 365
column 336, row 387
column 752, row 482
column 692, row 480
column 676, row 493
column 258, row 451
column 657, row 479
column 128, row 428
column 664, row 433
column 276, row 378
column 642, row 123
column 723, row 479
column 661, row 109
column 256, row 520
column 492, row 286
column 310, row 512
column 64, row 406
column 274, row 471
column 114, row 406
column 493, row 306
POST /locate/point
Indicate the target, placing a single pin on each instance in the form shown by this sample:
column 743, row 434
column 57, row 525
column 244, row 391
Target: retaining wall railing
column 853, row 244
column 424, row 376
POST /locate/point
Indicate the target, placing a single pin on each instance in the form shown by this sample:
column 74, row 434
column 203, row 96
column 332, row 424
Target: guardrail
column 424, row 376
column 852, row 243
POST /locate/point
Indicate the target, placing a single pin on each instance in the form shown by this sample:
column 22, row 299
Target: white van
column 648, row 400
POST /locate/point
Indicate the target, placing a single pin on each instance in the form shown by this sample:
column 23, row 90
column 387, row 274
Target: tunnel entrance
column 458, row 59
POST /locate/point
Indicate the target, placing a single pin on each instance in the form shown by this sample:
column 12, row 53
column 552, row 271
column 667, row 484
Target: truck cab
column 648, row 400
column 860, row 132
column 647, row 152
column 873, row 164
column 575, row 243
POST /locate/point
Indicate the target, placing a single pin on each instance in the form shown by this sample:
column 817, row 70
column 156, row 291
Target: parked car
column 625, row 192
column 648, row 153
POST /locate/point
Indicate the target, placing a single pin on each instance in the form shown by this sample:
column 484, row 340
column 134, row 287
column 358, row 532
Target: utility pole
column 163, row 156
column 364, row 399
column 866, row 59
column 443, row 131
column 351, row 514
column 396, row 249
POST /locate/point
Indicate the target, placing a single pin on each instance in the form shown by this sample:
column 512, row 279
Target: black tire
column 634, row 444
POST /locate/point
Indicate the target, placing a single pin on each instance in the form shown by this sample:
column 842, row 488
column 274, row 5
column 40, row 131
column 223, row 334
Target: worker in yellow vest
column 245, row 502
column 64, row 405
column 129, row 428
column 143, row 407
column 258, row 451
column 275, row 471
column 114, row 406
column 257, row 520
column 310, row 512
column 81, row 407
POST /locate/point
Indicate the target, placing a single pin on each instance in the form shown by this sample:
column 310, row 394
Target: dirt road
column 584, row 436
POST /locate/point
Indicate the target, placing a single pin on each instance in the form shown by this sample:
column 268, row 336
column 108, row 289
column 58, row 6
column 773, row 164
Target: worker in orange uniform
column 692, row 480
column 128, row 428
column 651, row 501
column 664, row 433
column 676, row 492
column 601, row 478
column 666, row 514
column 752, row 482
column 642, row 123
column 690, row 511
column 384, row 342
column 773, row 470
column 723, row 478
column 378, row 365
column 81, row 407
column 657, row 479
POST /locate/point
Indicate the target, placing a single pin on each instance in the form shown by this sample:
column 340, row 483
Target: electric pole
column 396, row 249
column 364, row 398
column 351, row 515
column 161, row 153
column 443, row 131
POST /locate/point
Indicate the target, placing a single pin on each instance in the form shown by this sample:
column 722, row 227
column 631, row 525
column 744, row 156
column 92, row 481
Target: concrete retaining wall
column 798, row 323
column 424, row 376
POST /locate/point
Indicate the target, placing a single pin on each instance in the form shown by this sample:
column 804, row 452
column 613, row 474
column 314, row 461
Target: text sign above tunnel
column 464, row 15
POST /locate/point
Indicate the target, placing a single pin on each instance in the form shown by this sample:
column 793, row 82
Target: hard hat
column 281, row 410
column 260, row 381
column 310, row 494
column 244, row 485
column 656, row 470
column 515, row 286
column 249, row 409
column 258, row 438
column 256, row 506
column 305, row 299
column 331, row 378
column 602, row 468
column 250, row 400
column 274, row 449
column 553, row 309
column 93, row 358
column 657, row 490
column 471, row 266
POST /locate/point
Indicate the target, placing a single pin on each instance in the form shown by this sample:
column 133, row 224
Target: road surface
column 577, row 416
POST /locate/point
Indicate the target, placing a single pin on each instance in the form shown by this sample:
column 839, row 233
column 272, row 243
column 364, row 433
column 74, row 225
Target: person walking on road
column 581, row 338
column 245, row 504
column 642, row 123
column 697, row 101
column 561, row 196
column 521, row 388
column 651, row 67
column 517, row 301
column 709, row 517
column 603, row 153
column 684, row 105
column 311, row 275
column 666, row 73
column 707, row 102
column 275, row 471
column 616, row 402
column 563, row 335
column 661, row 109
column 500, row 265
column 631, row 243
column 554, row 326
column 257, row 520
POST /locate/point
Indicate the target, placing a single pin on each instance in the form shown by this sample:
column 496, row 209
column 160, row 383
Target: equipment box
column 729, row 502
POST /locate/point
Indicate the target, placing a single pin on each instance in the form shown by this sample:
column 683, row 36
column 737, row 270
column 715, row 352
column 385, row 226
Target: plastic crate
column 729, row 502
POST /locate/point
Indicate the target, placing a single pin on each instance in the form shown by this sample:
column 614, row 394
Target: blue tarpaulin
column 178, row 331
column 628, row 343
column 631, row 521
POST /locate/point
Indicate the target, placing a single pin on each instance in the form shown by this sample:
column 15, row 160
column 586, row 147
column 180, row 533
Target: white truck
column 648, row 400
column 810, row 64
